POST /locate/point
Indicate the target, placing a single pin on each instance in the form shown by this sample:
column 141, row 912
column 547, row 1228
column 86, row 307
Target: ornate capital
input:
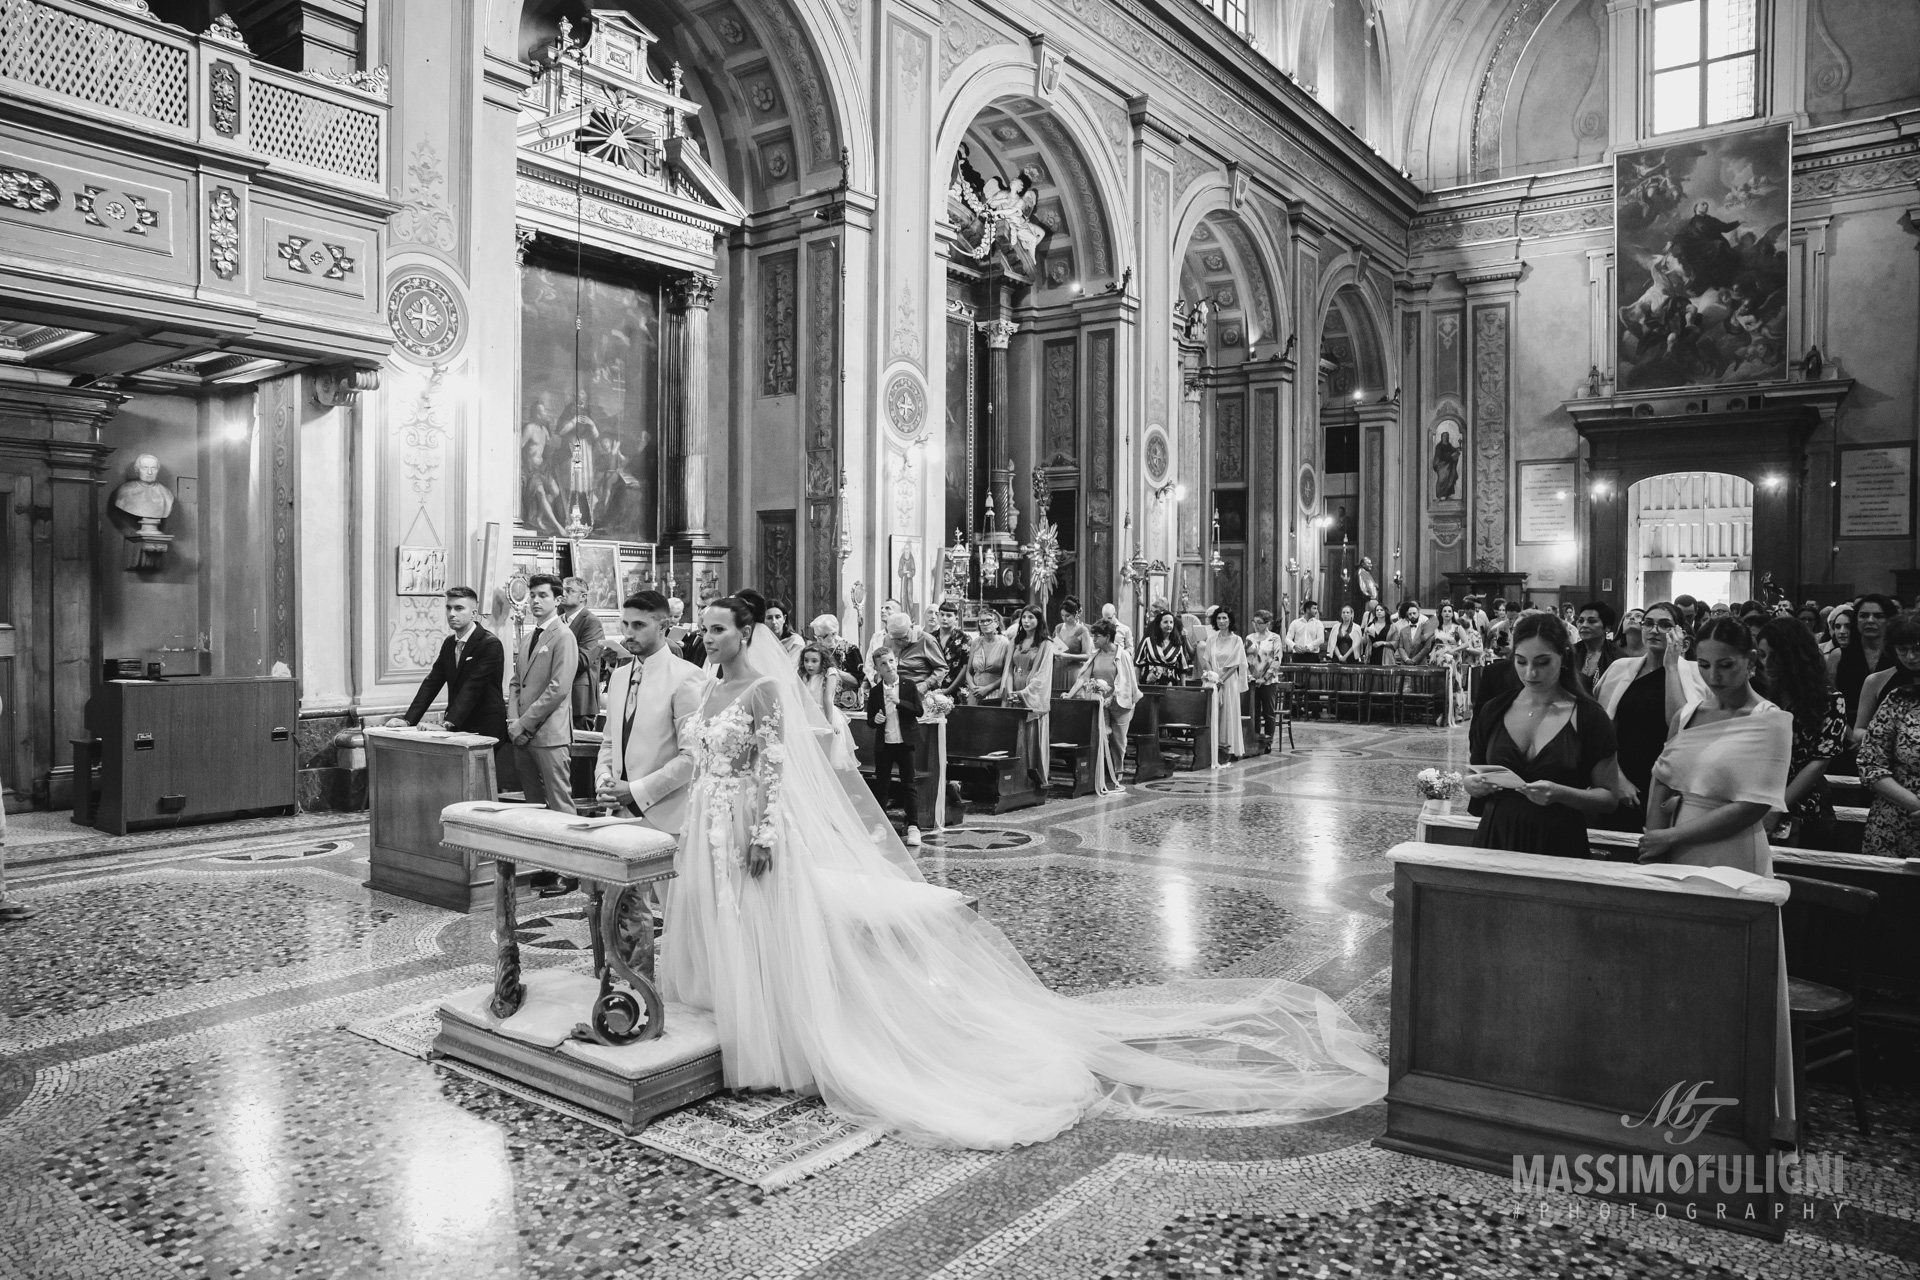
column 999, row 333
column 695, row 292
column 523, row 237
column 342, row 384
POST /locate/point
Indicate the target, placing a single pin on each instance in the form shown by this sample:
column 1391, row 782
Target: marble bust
column 145, row 498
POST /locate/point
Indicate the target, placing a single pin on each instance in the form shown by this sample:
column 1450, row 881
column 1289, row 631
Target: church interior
column 943, row 638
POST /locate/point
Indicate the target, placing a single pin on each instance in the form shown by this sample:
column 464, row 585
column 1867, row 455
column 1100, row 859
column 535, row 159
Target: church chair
column 1825, row 1018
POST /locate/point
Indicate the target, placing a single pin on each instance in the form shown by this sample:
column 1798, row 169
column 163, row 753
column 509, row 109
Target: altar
column 607, row 1042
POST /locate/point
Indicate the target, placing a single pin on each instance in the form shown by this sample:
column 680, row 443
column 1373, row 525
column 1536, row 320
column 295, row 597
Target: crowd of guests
column 1708, row 729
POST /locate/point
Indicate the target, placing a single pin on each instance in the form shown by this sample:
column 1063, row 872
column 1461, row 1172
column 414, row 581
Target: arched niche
column 1354, row 430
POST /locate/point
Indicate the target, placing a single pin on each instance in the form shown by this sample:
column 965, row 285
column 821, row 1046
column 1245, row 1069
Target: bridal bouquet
column 934, row 708
column 1099, row 689
column 1436, row 784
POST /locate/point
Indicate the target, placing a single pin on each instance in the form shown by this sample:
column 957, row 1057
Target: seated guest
column 469, row 668
column 918, row 656
column 1266, row 655
column 1796, row 682
column 1554, row 738
column 893, row 704
column 983, row 679
column 1643, row 695
column 1223, row 664
column 1163, row 656
column 1112, row 668
column 1306, row 635
column 1890, row 751
column 1596, row 651
column 1346, row 642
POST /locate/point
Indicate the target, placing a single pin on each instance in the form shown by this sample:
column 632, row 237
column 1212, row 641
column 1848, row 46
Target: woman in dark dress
column 1795, row 676
column 1552, row 735
column 1163, row 657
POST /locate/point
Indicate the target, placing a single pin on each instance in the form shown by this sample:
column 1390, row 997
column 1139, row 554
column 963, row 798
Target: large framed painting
column 589, row 400
column 1700, row 246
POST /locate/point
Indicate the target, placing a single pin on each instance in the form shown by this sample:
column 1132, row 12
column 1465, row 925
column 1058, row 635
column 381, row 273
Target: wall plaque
column 1549, row 505
column 1876, row 491
column 420, row 571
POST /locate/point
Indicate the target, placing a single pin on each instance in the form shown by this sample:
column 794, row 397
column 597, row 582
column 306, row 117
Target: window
column 1233, row 13
column 1706, row 56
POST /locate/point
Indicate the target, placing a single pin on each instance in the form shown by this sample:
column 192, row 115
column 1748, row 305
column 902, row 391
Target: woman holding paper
column 1543, row 754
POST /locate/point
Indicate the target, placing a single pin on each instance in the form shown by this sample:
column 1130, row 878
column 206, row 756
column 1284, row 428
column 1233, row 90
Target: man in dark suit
column 588, row 636
column 469, row 668
column 894, row 705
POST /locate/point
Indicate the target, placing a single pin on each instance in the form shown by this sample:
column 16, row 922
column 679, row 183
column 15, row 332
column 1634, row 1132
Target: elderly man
column 919, row 656
column 589, row 637
column 1122, row 633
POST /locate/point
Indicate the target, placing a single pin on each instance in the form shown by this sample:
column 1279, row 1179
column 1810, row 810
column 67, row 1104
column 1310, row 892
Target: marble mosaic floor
column 179, row 1097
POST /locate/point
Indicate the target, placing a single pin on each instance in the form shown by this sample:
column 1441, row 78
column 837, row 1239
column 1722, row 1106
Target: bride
column 832, row 967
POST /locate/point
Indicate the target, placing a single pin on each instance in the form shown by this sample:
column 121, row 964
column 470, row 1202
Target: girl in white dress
column 831, row 967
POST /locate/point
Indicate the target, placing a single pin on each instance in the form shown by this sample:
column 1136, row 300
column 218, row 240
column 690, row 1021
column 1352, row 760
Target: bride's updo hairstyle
column 756, row 605
column 742, row 614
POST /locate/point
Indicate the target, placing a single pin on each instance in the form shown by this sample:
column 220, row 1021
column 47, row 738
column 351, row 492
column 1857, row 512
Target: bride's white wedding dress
column 840, row 971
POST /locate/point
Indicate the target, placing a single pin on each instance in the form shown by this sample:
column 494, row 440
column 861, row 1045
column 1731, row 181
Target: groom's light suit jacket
column 653, row 754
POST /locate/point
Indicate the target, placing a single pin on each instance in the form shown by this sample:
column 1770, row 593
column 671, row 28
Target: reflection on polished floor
column 180, row 1094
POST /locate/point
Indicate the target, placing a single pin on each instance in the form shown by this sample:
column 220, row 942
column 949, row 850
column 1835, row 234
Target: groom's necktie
column 633, row 705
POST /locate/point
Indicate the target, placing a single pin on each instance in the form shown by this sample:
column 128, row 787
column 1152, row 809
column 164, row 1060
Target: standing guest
column 1223, row 664
column 1550, row 736
column 1376, row 626
column 1867, row 651
column 824, row 683
column 1723, row 771
column 1347, row 642
column 1072, row 644
column 1890, row 751
column 1122, row 633
column 693, row 645
column 893, row 703
column 883, row 617
column 1633, row 635
column 1816, row 627
column 1412, row 636
column 1163, row 657
column 826, row 634
column 953, row 640
column 647, row 756
column 542, row 724
column 1643, row 695
column 1110, row 666
column 1307, row 635
column 1753, row 620
column 1687, row 613
column 918, row 656
column 777, row 622
column 1265, row 656
column 983, row 679
column 1875, row 686
column 1029, row 683
column 1472, row 615
column 1594, row 623
column 1499, row 629
column 1452, row 632
column 589, row 638
column 1796, row 682
column 1839, row 626
column 469, row 668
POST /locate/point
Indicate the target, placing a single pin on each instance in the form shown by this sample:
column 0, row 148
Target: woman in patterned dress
column 1796, row 682
column 1890, row 752
column 1163, row 657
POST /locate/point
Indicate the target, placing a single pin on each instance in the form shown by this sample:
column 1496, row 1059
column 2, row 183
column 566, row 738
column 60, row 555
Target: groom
column 646, row 757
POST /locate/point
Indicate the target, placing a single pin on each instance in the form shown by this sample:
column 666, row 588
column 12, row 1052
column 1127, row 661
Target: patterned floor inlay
column 214, row 1064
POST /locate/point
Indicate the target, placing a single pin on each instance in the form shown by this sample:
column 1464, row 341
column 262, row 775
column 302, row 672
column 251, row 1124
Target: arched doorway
column 1690, row 533
column 1355, row 413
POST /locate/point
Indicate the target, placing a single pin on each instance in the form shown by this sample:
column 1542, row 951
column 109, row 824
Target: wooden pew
column 1881, row 946
column 1186, row 721
column 926, row 766
column 987, row 753
column 1074, row 727
column 1843, row 789
column 1624, row 846
column 1143, row 735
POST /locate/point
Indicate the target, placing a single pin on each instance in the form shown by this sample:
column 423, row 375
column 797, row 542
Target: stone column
column 694, row 295
column 1193, row 513
column 999, row 411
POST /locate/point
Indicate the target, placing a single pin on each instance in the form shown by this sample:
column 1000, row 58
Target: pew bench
column 987, row 752
column 1073, row 724
column 1185, row 722
column 1143, row 739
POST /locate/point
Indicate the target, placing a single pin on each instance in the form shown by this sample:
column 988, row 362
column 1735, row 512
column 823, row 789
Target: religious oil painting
column 589, row 401
column 1701, row 232
column 598, row 565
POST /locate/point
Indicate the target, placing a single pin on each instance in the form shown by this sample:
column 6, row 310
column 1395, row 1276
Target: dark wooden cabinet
column 178, row 751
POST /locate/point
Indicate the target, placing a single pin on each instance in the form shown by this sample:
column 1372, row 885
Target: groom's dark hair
column 647, row 602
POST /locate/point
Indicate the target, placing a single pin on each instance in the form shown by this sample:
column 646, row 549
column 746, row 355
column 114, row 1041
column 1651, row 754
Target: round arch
column 1212, row 202
column 1373, row 307
column 991, row 77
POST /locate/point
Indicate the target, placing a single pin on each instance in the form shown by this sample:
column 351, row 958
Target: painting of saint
column 1701, row 233
column 589, row 434
column 1445, row 462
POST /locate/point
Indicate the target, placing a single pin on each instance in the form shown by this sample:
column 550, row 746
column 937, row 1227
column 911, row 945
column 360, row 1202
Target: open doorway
column 1690, row 533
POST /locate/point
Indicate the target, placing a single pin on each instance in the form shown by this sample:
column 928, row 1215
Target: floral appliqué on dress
column 739, row 755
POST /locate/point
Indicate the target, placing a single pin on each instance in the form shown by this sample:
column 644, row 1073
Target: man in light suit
column 542, row 724
column 646, row 758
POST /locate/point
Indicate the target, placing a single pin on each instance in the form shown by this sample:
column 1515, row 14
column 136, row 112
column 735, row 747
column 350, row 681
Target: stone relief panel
column 778, row 304
column 1230, row 439
column 1058, row 402
column 1490, row 449
column 961, row 36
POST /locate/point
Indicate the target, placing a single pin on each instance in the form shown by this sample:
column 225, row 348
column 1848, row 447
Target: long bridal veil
column 914, row 1014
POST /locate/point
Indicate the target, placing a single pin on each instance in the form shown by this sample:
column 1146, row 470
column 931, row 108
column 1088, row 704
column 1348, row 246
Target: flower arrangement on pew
column 1438, row 787
column 934, row 707
column 1098, row 690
